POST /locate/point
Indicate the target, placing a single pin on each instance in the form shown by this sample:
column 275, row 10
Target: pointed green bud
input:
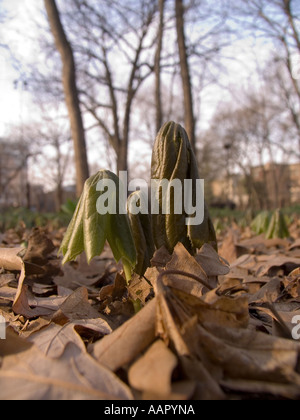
column 173, row 159
column 278, row 227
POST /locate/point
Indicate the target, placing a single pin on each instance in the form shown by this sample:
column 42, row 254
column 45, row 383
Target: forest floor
column 213, row 326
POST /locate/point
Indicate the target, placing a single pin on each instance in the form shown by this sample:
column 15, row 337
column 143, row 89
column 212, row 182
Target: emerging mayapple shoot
column 101, row 213
column 89, row 229
column 173, row 159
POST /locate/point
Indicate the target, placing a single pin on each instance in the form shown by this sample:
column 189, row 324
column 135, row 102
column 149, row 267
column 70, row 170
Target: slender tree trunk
column 122, row 158
column 287, row 5
column 157, row 66
column 71, row 93
column 185, row 73
column 59, row 178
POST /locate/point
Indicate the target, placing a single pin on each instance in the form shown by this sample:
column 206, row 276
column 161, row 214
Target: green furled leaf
column 141, row 228
column 278, row 227
column 172, row 159
column 89, row 230
column 73, row 244
column 261, row 223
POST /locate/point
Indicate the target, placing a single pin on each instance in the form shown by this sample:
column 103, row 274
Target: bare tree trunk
column 71, row 94
column 60, row 175
column 185, row 73
column 157, row 67
column 288, row 11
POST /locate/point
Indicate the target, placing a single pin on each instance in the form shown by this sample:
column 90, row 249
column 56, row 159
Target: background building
column 264, row 187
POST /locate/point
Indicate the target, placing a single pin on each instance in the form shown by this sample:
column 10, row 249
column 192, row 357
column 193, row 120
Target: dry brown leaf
column 256, row 356
column 211, row 307
column 212, row 264
column 21, row 305
column 183, row 283
column 34, row 326
column 6, row 279
column 13, row 344
column 140, row 289
column 246, row 262
column 39, row 247
column 207, row 387
column 96, row 271
column 114, row 291
column 228, row 353
column 30, row 375
column 11, row 260
column 72, row 279
column 53, row 340
column 161, row 258
column 184, row 262
column 261, row 389
column 274, row 264
column 282, row 321
column 180, row 391
column 295, row 273
column 76, row 306
column 152, row 373
column 270, row 292
column 128, row 341
column 295, row 245
column 230, row 250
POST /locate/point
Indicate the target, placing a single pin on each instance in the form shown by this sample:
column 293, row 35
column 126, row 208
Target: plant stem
column 127, row 270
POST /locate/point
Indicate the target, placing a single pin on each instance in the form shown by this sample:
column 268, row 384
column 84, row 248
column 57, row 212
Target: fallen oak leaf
column 21, row 304
column 39, row 247
column 30, row 375
column 288, row 391
column 211, row 307
column 295, row 273
column 6, row 279
column 114, row 291
column 227, row 352
column 161, row 257
column 128, row 341
column 256, row 356
column 182, row 261
column 153, row 371
column 11, row 259
column 273, row 264
column 53, row 339
column 76, row 306
column 207, row 387
column 268, row 293
column 211, row 262
column 296, row 244
column 13, row 344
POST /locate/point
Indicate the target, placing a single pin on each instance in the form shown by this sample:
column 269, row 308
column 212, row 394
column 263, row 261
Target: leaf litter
column 190, row 328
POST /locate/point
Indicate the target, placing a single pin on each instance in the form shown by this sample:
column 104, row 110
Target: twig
column 184, row 274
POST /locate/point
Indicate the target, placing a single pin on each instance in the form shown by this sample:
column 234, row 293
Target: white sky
column 15, row 103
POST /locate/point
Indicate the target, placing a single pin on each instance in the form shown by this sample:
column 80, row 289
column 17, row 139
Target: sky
column 16, row 105
column 14, row 100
